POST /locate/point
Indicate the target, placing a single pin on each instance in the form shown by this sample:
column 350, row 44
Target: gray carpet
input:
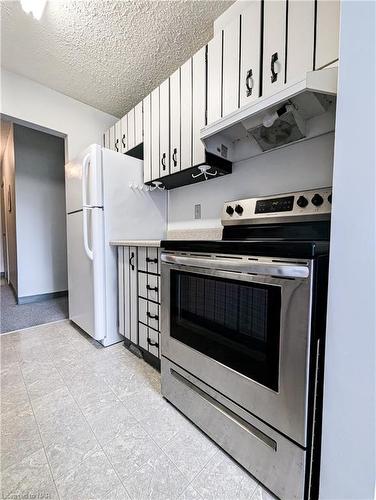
column 16, row 317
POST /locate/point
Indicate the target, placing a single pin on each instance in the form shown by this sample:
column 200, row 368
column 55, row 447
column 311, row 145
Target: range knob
column 330, row 198
column 229, row 210
column 239, row 209
column 302, row 202
column 317, row 200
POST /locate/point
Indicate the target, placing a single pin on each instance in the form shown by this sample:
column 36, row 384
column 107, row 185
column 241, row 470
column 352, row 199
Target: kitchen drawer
column 148, row 313
column 149, row 339
column 148, row 260
column 148, row 286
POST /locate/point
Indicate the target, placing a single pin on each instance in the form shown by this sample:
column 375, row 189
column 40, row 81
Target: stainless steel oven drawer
column 274, row 460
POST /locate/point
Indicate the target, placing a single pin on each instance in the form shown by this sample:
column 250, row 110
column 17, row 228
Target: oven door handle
column 276, row 269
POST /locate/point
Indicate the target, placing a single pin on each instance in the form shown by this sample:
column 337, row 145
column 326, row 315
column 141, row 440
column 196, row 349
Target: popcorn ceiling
column 108, row 54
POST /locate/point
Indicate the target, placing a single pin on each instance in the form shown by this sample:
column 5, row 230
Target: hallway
column 16, row 316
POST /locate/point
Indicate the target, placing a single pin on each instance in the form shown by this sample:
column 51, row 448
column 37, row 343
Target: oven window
column 234, row 322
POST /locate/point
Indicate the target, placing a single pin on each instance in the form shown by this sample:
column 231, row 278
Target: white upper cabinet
column 155, row 134
column 138, row 124
column 106, row 139
column 185, row 115
column 214, row 111
column 131, row 129
column 164, row 128
column 250, row 56
column 327, row 32
column 124, row 134
column 175, row 151
column 198, row 107
column 300, row 39
column 147, row 138
column 274, row 46
column 231, row 57
column 112, row 138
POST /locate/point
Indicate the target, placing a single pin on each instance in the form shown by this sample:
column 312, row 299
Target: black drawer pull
column 154, row 261
column 163, row 162
column 116, row 145
column 123, row 141
column 174, row 157
column 131, row 263
column 274, row 59
column 249, row 83
column 151, row 316
column 153, row 289
column 150, row 342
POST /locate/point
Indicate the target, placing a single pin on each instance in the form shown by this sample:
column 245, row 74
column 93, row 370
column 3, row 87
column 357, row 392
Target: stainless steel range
column 243, row 323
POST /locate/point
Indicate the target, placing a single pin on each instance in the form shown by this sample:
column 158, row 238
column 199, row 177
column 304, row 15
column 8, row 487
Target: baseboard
column 28, row 299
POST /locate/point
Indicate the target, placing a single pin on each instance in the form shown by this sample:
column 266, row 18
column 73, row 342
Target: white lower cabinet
column 139, row 298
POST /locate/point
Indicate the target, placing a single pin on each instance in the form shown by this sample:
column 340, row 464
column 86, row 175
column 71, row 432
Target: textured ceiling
column 108, row 54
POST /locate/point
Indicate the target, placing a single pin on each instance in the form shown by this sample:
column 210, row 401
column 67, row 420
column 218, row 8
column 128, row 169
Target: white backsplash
column 300, row 166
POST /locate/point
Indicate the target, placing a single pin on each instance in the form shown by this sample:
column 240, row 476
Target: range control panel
column 301, row 205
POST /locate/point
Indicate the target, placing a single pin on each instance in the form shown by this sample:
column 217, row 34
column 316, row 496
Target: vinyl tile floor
column 79, row 421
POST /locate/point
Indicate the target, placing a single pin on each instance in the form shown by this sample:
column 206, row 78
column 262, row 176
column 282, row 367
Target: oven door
column 242, row 325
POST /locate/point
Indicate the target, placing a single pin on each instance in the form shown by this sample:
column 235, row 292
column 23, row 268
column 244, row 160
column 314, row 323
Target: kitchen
column 198, row 245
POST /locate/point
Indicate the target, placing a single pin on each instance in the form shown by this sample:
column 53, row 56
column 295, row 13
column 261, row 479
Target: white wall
column 304, row 165
column 348, row 449
column 40, row 207
column 27, row 100
column 8, row 170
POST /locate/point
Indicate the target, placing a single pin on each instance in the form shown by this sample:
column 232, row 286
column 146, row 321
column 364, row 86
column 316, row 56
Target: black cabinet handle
column 174, row 159
column 163, row 161
column 151, row 316
column 154, row 261
column 123, row 141
column 116, row 145
column 273, row 60
column 131, row 261
column 155, row 289
column 155, row 344
column 248, row 81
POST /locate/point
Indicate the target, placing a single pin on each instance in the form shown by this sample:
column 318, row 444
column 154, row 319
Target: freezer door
column 83, row 180
column 86, row 272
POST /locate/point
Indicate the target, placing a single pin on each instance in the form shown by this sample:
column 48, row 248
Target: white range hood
column 298, row 112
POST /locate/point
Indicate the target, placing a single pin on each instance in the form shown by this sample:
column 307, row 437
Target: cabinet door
column 231, row 57
column 175, row 122
column 155, row 134
column 186, row 115
column 300, row 39
column 327, row 32
column 121, row 299
column 250, row 57
column 133, row 292
column 164, row 128
column 124, row 134
column 215, row 78
column 147, row 138
column 198, row 105
column 274, row 46
column 152, row 260
column 112, row 138
column 138, row 124
column 131, row 130
column 106, row 136
column 124, row 281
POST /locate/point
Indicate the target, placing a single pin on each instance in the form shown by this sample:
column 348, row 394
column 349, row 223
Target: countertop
column 136, row 243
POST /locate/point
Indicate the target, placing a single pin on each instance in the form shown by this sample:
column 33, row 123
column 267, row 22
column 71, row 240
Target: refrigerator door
column 86, row 271
column 83, row 180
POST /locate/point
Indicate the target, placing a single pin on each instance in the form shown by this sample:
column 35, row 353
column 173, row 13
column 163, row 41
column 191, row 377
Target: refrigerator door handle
column 88, row 251
column 85, row 169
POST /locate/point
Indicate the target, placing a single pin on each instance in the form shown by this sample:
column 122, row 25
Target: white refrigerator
column 103, row 204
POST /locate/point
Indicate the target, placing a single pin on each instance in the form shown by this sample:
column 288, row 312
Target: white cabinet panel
column 250, row 57
column 117, row 144
column 164, row 127
column 147, row 138
column 327, row 32
column 186, row 115
column 143, row 311
column 138, row 124
column 124, row 134
column 175, row 122
column 106, row 139
column 142, row 264
column 153, row 315
column 274, row 46
column 300, row 39
column 155, row 134
column 112, row 138
column 153, row 341
column 133, row 294
column 121, row 299
column 198, row 105
column 143, row 336
column 231, row 56
column 152, row 260
column 215, row 78
column 131, row 130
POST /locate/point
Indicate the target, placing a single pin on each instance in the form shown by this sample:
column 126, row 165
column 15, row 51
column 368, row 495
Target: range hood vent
column 298, row 112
